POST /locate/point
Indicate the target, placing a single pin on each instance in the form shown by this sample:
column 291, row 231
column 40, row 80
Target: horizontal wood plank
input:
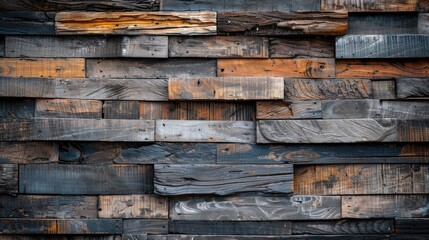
column 61, row 237
column 383, row 89
column 288, row 110
column 1, row 46
column 68, row 108
column 412, row 88
column 17, row 108
column 408, row 226
column 383, row 23
column 343, row 109
column 26, row 23
column 423, row 24
column 145, row 226
column 121, row 109
column 344, row 226
column 28, row 226
column 8, row 179
column 133, row 206
column 89, row 226
column 405, row 109
column 271, row 237
column 302, row 48
column 415, row 130
column 370, row 6
column 28, row 152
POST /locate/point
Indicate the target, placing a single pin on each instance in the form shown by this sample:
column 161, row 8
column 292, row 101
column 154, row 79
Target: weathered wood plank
column 376, row 69
column 304, row 68
column 405, row 109
column 42, row 67
column 8, row 179
column 32, row 206
column 256, row 208
column 226, row 88
column 89, row 226
column 28, row 152
column 344, row 226
column 288, row 110
column 16, row 108
column 133, row 206
column 222, row 179
column 68, row 108
column 409, row 237
column 314, row 89
column 121, row 110
column 383, row 23
column 27, row 23
column 416, row 130
column 341, row 109
column 150, row 68
column 84, row 179
column 382, row 46
column 205, row 131
column 388, row 206
column 370, row 5
column 383, row 89
column 28, row 226
column 253, row 237
column 143, row 237
column 302, row 48
column 1, row 46
column 60, row 237
column 423, row 23
column 218, row 47
column 326, row 131
column 230, row 227
column 330, row 23
column 411, row 226
column 412, row 88
column 136, row 23
column 87, row 46
column 145, row 226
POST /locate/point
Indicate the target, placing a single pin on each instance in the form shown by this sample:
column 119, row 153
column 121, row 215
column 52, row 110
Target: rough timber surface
column 133, row 206
column 412, row 88
column 370, row 5
column 26, row 22
column 28, row 152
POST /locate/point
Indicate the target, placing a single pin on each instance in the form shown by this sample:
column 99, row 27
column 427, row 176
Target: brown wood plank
column 133, row 206
column 136, row 23
column 423, row 24
column 412, row 88
column 42, row 67
column 383, row 23
column 304, row 68
column 343, row 109
column 276, row 23
column 222, row 179
column 16, row 108
column 8, row 179
column 225, row 88
column 89, row 226
column 84, row 179
column 28, row 226
column 121, row 109
column 143, row 237
column 288, row 110
column 370, row 6
column 408, row 226
column 28, row 152
column 302, row 48
column 145, row 226
column 344, row 226
column 413, row 130
column 26, row 23
column 255, row 208
column 15, row 130
column 218, row 47
column 68, row 108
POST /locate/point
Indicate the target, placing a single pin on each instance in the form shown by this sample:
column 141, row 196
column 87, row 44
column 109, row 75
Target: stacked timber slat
column 214, row 119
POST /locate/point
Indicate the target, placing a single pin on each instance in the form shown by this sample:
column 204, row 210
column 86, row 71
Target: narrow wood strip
column 1, row 46
column 344, row 226
column 145, row 226
column 17, row 108
column 68, row 108
column 27, row 23
column 133, row 206
column 383, row 23
column 89, row 226
column 302, row 47
column 28, row 152
column 343, row 109
column 8, row 179
column 252, row 237
column 28, row 226
column 370, row 6
column 288, row 110
column 411, row 226
column 412, row 88
column 121, row 109
column 383, row 89
column 62, row 237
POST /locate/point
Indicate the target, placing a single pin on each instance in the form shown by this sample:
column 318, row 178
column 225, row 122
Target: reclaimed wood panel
column 388, row 206
column 299, row 68
column 405, row 109
column 136, row 23
column 383, row 23
column 17, row 108
column 302, row 48
column 204, row 131
column 344, row 226
column 89, row 226
column 133, row 206
column 150, row 68
column 412, row 88
column 255, row 208
column 383, row 89
column 28, row 226
column 36, row 206
column 121, row 109
column 61, row 237
column 225, row 88
column 423, row 23
column 27, row 23
column 217, row 179
column 87, row 46
column 416, row 130
column 328, row 23
column 1, row 46
column 343, row 109
column 145, row 226
column 68, row 108
column 288, row 110
column 28, row 152
column 84, row 179
column 411, row 226
column 143, row 237
column 8, row 179
column 251, row 237
column 42, row 67
column 370, row 5
column 376, row 69
column 218, row 47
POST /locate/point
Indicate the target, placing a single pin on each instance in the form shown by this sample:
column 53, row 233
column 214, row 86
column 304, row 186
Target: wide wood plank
column 136, row 23
column 121, row 109
column 405, row 109
column 326, row 131
column 416, row 130
column 89, row 226
column 408, row 226
column 205, row 131
column 423, row 24
column 376, row 69
column 370, row 5
column 97, row 88
column 133, row 206
column 145, row 226
column 412, row 88
column 28, row 226
column 84, row 179
column 28, row 152
column 382, row 46
column 87, row 46
column 343, row 109
column 8, row 179
column 225, row 88
column 255, row 208
column 16, row 108
column 331, row 23
column 150, row 68
column 304, row 68
column 383, row 23
column 27, row 23
column 33, row 206
column 388, row 206
column 288, row 110
column 218, row 47
column 68, row 108
column 302, row 48
column 42, row 67
column 222, row 179
column 344, row 226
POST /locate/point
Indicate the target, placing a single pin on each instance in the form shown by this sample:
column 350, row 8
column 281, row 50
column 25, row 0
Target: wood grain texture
column 87, row 46
column 89, row 226
column 416, row 130
column 299, row 68
column 1, row 46
column 224, row 88
column 204, row 131
column 343, row 109
column 370, row 5
column 405, row 109
column 408, row 226
column 27, row 23
column 255, row 208
column 28, row 226
column 383, row 89
column 145, row 226
column 423, row 24
column 36, row 206
column 382, row 46
column 68, row 108
column 16, row 108
column 222, row 179
column 344, row 226
column 84, row 179
column 143, row 237
column 61, row 237
column 330, row 23
column 326, row 131
column 150, row 68
column 253, row 237
column 412, row 88
column 121, row 109
column 133, row 206
column 383, row 23
column 136, row 23
column 218, row 47
column 288, row 110
column 42, row 67
column 28, row 152
column 96, row 88
column 8, row 179
column 388, row 206
column 376, row 69
column 302, row 48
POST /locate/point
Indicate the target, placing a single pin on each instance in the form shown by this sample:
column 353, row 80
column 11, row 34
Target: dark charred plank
column 121, row 110
column 411, row 226
column 302, row 47
column 8, row 179
column 412, row 88
column 383, row 23
column 17, row 108
column 344, row 226
column 146, row 226
column 26, row 23
column 133, row 206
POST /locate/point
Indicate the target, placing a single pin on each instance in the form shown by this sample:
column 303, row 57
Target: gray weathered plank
column 344, row 226
column 412, row 88
column 411, row 226
column 143, row 237
column 27, row 23
column 370, row 5
column 61, row 237
column 68, row 108
column 405, row 109
column 27, row 226
column 256, row 208
column 1, row 46
column 16, row 108
column 204, row 131
column 222, row 179
column 302, row 48
column 414, row 130
column 383, row 89
column 121, row 109
column 8, row 179
column 89, row 226
column 145, row 226
column 84, row 179
column 28, row 152
column 383, row 23
column 133, row 206
column 253, row 237
column 288, row 110
column 326, row 131
column 423, row 24
column 340, row 109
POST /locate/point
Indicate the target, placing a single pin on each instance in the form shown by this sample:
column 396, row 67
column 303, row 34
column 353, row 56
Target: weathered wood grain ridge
column 133, row 206
column 135, row 23
column 68, row 108
column 412, row 88
column 288, row 110
column 16, row 108
column 27, row 23
column 28, row 152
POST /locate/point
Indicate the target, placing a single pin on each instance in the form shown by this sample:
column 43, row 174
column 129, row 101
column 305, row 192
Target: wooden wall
column 214, row 119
